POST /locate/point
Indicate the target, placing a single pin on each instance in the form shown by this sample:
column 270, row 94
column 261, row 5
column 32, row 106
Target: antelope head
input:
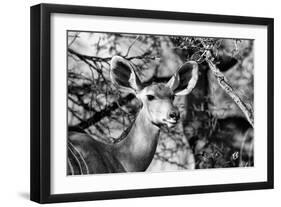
column 157, row 98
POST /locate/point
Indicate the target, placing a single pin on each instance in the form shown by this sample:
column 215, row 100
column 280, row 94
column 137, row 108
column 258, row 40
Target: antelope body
column 136, row 150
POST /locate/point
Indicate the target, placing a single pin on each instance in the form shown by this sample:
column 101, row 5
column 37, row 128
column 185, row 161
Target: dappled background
column 214, row 132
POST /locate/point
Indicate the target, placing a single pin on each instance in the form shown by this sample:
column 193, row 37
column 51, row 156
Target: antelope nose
column 174, row 115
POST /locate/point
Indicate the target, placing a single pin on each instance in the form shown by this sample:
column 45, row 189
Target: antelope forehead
column 160, row 90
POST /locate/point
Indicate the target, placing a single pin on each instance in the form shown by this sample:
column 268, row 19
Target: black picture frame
column 41, row 96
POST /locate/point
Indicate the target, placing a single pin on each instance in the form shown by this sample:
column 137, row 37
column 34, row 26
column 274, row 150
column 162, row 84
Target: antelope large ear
column 123, row 75
column 185, row 79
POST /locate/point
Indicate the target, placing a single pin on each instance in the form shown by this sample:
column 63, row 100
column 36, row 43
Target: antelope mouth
column 170, row 122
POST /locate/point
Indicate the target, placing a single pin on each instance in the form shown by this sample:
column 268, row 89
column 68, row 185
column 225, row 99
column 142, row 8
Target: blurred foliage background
column 213, row 132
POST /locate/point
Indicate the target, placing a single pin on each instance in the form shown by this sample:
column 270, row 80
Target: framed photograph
column 132, row 103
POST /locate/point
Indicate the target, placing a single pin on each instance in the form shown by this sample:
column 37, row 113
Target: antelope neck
column 136, row 151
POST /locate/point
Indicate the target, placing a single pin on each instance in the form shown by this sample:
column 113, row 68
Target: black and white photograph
column 129, row 103
column 158, row 103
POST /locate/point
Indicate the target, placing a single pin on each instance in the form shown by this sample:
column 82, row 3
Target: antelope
column 135, row 151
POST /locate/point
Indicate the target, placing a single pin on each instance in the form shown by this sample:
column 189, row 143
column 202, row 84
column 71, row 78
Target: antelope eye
column 150, row 97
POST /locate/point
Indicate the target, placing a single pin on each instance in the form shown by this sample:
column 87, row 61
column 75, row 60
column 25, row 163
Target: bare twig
column 164, row 159
column 132, row 44
column 74, row 38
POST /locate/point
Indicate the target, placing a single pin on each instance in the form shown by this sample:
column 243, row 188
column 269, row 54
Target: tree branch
column 247, row 110
column 87, row 57
column 101, row 114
